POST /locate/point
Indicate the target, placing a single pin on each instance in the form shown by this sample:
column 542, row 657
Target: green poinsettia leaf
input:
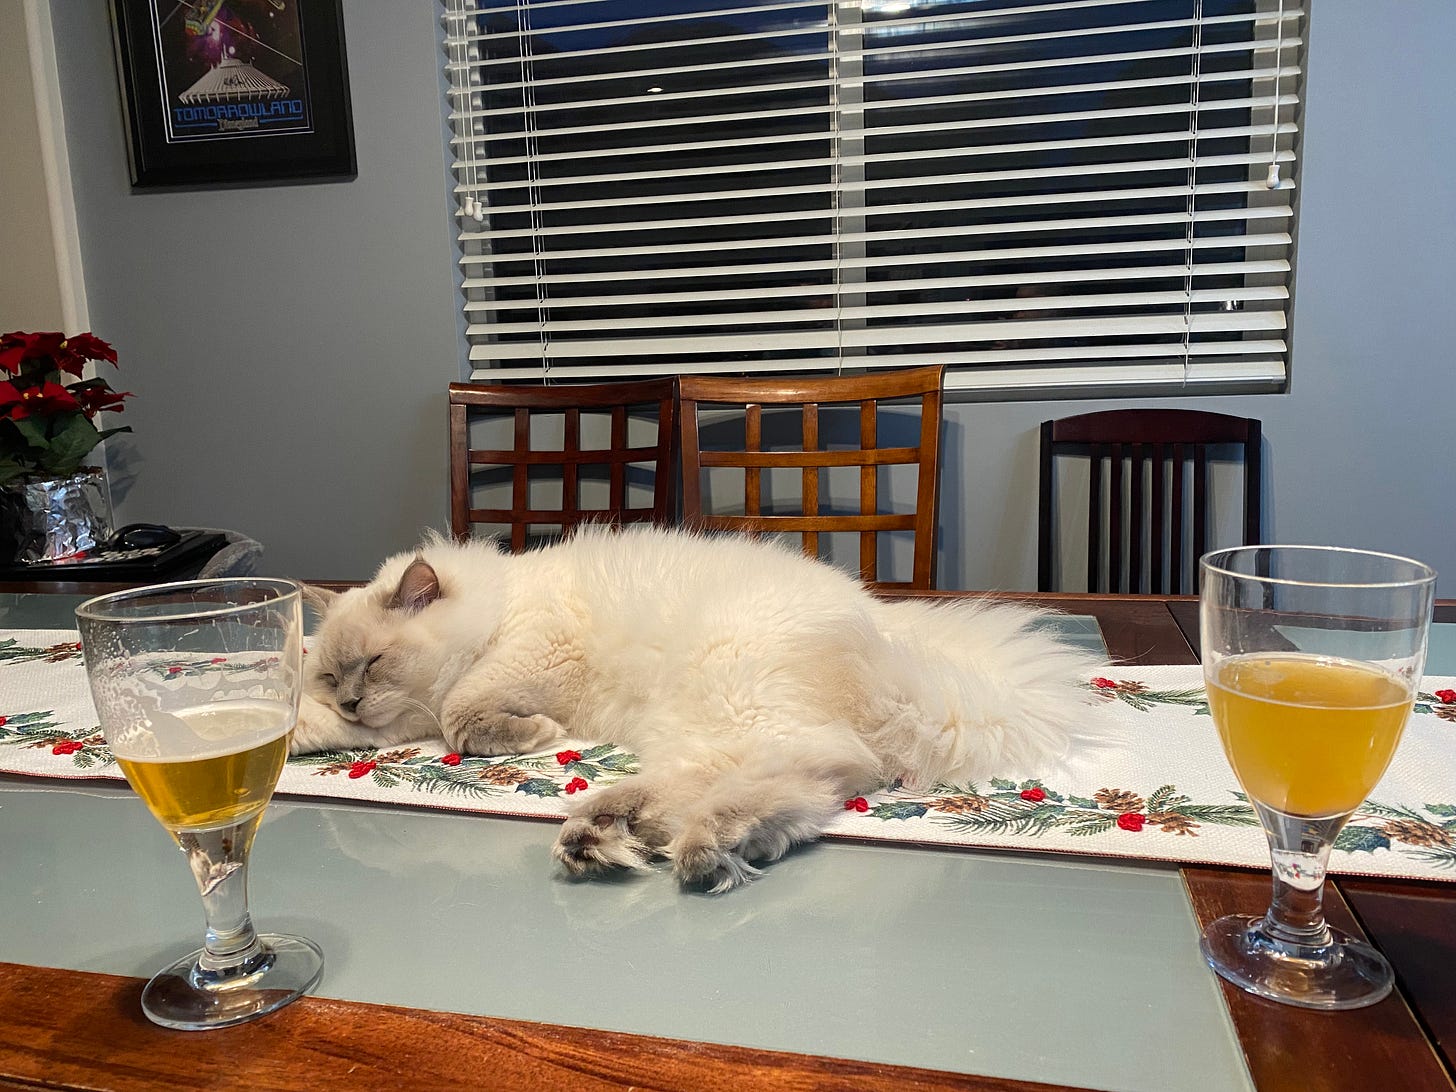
column 71, row 444
column 539, row 786
column 1002, row 783
column 1362, row 840
column 1441, row 809
column 31, row 430
column 1082, row 802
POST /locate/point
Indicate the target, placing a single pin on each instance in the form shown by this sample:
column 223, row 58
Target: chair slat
column 809, row 485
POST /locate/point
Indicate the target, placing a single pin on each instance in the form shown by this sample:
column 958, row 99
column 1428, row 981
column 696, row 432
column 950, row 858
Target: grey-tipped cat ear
column 320, row 599
column 418, row 587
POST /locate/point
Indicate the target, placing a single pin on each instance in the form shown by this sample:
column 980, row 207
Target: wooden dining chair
column 536, row 460
column 758, row 407
column 1152, row 469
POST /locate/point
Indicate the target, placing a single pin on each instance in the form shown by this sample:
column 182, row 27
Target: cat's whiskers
column 426, row 710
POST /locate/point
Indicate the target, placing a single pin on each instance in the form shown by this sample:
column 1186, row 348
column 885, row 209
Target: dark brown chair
column 470, row 402
column 757, row 400
column 1151, row 467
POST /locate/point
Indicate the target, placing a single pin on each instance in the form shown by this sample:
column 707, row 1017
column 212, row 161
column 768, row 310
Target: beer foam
column 204, row 731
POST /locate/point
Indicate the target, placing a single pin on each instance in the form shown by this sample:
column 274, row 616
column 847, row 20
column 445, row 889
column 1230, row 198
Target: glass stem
column 219, row 862
column 1300, row 850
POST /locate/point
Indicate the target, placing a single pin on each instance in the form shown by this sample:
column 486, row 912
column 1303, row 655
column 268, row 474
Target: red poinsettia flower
column 1131, row 820
column 452, row 759
column 360, row 769
column 857, row 803
column 174, row 670
column 20, row 402
column 2, row 722
column 566, row 758
column 67, row 747
column 98, row 399
column 219, row 660
column 1035, row 795
column 576, row 784
column 90, row 347
column 1446, row 697
column 1104, row 684
column 16, row 348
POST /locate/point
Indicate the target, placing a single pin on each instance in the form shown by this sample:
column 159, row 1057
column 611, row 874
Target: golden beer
column 1307, row 736
column 223, row 774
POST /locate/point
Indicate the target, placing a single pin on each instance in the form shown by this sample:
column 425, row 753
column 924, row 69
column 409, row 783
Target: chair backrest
column 758, row 398
column 1141, row 461
column 653, row 399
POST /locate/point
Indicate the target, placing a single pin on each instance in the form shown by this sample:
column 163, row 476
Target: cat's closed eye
column 372, row 661
column 328, row 679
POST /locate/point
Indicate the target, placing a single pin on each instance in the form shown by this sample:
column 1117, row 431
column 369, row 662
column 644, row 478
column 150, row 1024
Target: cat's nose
column 350, row 707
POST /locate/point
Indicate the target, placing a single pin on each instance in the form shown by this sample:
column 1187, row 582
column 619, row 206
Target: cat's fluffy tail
column 987, row 688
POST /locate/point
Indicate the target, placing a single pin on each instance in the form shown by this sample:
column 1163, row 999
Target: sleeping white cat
column 758, row 688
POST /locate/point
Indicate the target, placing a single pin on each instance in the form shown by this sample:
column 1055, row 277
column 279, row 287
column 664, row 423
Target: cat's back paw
column 703, row 864
column 591, row 844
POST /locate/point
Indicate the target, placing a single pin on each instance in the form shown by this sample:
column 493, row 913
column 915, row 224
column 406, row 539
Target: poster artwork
column 231, row 68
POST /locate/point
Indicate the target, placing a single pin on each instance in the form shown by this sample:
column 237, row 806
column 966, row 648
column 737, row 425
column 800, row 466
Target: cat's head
column 374, row 655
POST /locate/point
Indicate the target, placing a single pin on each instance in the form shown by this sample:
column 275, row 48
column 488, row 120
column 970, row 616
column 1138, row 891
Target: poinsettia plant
column 47, row 420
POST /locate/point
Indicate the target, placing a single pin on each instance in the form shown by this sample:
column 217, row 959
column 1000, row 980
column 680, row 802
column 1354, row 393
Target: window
column 1082, row 195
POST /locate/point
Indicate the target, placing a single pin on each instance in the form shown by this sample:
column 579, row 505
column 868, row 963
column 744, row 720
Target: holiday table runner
column 1155, row 786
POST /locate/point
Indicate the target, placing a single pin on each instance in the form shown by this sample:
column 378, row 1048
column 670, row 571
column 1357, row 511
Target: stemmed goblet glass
column 1312, row 657
column 197, row 687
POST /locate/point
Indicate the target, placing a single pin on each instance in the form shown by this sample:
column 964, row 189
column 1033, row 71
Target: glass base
column 187, row 998
column 1344, row 974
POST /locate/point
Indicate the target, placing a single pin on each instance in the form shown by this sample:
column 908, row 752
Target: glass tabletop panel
column 1047, row 969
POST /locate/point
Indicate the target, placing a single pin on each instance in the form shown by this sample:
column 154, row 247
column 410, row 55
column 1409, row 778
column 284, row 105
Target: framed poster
column 231, row 92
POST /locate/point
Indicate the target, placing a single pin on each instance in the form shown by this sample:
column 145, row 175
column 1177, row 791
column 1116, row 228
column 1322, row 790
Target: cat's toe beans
column 702, row 863
column 764, row 845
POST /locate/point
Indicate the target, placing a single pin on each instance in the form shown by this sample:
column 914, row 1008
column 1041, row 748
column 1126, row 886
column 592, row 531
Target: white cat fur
column 759, row 689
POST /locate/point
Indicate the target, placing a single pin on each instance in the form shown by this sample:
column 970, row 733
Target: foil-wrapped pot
column 60, row 517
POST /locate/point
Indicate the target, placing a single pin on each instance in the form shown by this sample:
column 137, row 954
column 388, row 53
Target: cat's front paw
column 598, row 844
column 319, row 728
column 477, row 732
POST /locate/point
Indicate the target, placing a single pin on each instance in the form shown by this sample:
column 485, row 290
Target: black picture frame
column 234, row 92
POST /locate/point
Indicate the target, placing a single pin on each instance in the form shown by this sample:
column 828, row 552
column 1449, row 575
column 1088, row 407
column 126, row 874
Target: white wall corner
column 56, row 163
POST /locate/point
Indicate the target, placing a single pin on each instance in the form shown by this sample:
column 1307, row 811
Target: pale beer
column 218, row 767
column 1306, row 735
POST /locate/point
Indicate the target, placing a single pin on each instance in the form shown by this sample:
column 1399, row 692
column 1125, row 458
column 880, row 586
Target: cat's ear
column 418, row 587
column 320, row 599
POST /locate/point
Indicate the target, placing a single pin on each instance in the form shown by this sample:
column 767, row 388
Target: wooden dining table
column 68, row 1028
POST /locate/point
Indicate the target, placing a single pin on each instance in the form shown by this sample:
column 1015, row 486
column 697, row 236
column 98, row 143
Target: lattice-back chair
column 1152, row 469
column 757, row 400
column 649, row 405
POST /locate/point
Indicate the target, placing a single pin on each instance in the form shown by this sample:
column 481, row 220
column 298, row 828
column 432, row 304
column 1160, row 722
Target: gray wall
column 289, row 346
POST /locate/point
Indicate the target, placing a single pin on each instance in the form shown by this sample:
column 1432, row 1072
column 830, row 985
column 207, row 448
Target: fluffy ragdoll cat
column 758, row 688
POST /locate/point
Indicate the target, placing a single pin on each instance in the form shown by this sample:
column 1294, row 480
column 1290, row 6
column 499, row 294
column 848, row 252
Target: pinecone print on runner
column 1143, row 698
column 961, row 804
column 1417, row 832
column 1119, row 800
column 504, row 774
column 1172, row 823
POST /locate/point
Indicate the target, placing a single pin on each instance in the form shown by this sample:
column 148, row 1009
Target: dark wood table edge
column 60, row 1024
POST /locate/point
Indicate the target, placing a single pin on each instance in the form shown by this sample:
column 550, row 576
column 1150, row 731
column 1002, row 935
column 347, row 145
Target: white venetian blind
column 1043, row 195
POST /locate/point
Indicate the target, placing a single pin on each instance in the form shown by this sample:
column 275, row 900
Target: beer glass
column 197, row 687
column 1312, row 658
